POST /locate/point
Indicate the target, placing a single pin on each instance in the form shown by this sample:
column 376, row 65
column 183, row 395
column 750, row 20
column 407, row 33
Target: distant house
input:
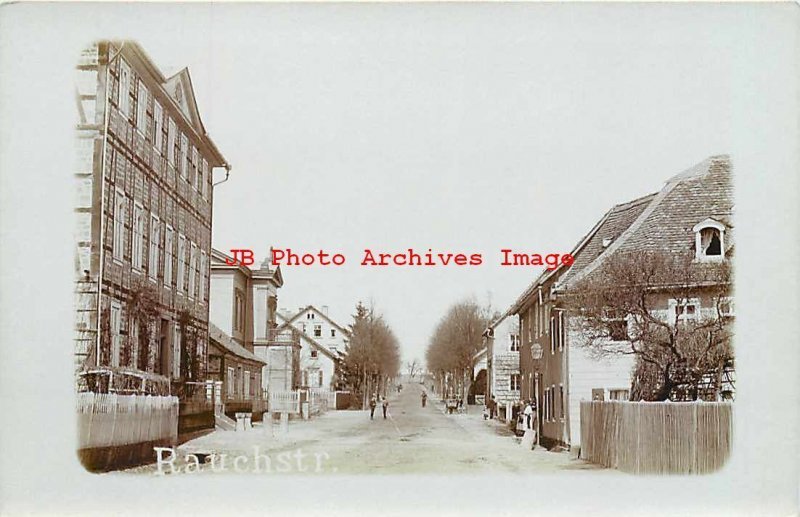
column 322, row 345
column 497, row 368
column 693, row 211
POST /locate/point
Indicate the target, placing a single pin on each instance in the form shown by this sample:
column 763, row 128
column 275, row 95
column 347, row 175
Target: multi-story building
column 144, row 174
column 692, row 213
column 323, row 344
column 497, row 368
column 242, row 314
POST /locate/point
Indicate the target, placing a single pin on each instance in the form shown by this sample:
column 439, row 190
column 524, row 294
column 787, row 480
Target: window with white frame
column 552, row 337
column 247, row 384
column 124, row 88
column 116, row 338
column 119, row 224
column 231, row 378
column 317, row 330
column 176, row 350
column 514, row 340
column 184, row 156
column 192, row 269
column 169, row 254
column 726, row 308
column 562, row 331
column 561, row 403
column 138, row 236
column 515, row 381
column 141, row 107
column 155, row 241
column 547, row 404
column 181, row 262
column 158, row 120
column 204, row 179
column 195, row 170
column 171, row 135
column 709, row 240
column 684, row 309
column 314, row 354
column 203, row 266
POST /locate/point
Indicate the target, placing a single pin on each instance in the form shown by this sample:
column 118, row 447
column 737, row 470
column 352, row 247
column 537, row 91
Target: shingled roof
column 223, row 340
column 665, row 220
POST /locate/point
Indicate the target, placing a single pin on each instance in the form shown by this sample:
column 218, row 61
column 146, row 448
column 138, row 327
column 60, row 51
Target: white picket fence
column 109, row 419
column 284, row 402
column 321, row 400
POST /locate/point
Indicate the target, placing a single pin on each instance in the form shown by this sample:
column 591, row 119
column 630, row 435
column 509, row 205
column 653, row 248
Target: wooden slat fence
column 284, row 402
column 657, row 437
column 109, row 419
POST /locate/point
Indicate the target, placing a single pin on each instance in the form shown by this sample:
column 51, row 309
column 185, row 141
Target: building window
column 685, row 310
column 184, row 156
column 195, row 170
column 247, row 384
column 119, row 224
column 616, row 324
column 124, row 88
column 317, row 330
column 141, row 107
column 176, row 350
column 231, row 378
column 726, row 309
column 155, row 241
column 619, row 394
column 561, row 400
column 333, row 332
column 514, row 339
column 553, row 335
column 515, row 381
column 192, row 269
column 709, row 240
column 562, row 332
column 320, row 379
column 305, row 378
column 203, row 266
column 314, row 354
column 138, row 236
column 304, row 328
column 238, row 310
column 158, row 120
column 116, row 338
column 171, row 130
column 181, row 262
column 169, row 254
column 204, row 179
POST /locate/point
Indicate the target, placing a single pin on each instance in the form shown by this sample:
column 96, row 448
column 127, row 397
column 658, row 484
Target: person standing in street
column 424, row 398
column 528, row 412
column 385, row 406
column 373, row 402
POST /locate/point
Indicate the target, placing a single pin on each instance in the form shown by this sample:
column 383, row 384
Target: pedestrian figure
column 424, row 398
column 528, row 412
column 373, row 402
column 385, row 406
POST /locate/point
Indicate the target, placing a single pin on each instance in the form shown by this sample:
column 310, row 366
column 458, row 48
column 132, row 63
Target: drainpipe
column 102, row 196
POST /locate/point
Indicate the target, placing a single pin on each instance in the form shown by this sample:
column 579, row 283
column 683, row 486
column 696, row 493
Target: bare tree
column 622, row 312
column 451, row 353
column 413, row 367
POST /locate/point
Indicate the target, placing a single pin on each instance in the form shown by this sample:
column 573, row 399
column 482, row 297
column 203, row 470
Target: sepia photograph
column 511, row 249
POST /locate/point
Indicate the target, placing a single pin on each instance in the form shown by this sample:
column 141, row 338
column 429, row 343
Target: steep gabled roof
column 316, row 344
column 666, row 224
column 610, row 226
column 290, row 320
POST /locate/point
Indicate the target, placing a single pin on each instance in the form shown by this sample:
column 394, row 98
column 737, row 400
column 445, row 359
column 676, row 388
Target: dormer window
column 709, row 240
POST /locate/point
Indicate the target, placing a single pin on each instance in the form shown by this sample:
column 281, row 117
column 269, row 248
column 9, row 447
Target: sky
column 388, row 127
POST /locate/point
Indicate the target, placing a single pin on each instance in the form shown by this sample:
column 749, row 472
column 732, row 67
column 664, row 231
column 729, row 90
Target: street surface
column 411, row 439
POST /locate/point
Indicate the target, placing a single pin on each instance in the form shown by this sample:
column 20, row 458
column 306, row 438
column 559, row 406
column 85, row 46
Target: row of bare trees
column 453, row 345
column 372, row 357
